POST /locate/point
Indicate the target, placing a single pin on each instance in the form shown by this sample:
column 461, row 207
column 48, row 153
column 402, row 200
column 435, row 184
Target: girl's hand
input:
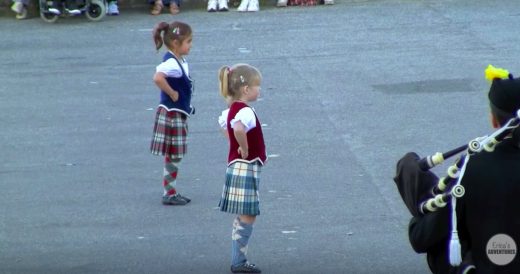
column 241, row 136
column 174, row 95
column 243, row 152
column 160, row 80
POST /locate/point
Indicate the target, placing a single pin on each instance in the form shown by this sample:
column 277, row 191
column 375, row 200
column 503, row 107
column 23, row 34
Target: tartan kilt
column 302, row 2
column 170, row 134
column 240, row 192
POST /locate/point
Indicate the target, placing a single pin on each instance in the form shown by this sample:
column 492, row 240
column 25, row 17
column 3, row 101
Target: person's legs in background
column 20, row 8
column 222, row 5
column 217, row 5
column 72, row 7
column 281, row 3
column 112, row 8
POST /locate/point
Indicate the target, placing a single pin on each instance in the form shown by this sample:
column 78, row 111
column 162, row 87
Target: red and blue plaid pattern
column 240, row 192
column 302, row 2
column 170, row 134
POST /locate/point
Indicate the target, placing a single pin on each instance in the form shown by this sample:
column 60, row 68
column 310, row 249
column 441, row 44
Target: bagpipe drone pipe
column 449, row 186
column 424, row 193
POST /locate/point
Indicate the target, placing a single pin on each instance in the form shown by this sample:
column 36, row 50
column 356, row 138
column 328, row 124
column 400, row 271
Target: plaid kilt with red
column 170, row 134
column 302, row 2
column 240, row 192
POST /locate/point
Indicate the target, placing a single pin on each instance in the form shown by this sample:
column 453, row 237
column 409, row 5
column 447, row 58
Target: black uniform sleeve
column 428, row 230
column 414, row 184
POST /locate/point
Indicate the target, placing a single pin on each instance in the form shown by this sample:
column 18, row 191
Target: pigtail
column 223, row 77
column 232, row 79
column 156, row 34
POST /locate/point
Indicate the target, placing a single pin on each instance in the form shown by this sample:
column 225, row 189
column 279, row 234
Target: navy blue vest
column 183, row 86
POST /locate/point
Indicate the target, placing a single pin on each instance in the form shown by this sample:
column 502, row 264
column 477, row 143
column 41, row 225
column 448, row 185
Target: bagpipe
column 449, row 186
column 424, row 193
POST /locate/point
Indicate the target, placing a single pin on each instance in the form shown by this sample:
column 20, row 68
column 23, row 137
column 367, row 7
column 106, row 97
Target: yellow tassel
column 492, row 73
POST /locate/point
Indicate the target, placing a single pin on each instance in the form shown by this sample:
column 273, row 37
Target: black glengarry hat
column 504, row 93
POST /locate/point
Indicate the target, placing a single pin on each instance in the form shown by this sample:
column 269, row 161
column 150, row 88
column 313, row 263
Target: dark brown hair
column 164, row 33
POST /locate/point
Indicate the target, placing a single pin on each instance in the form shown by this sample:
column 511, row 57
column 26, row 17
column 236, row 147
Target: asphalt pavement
column 347, row 90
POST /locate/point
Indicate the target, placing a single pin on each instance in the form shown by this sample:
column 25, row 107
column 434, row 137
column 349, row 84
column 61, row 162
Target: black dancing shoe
column 184, row 198
column 173, row 200
column 245, row 268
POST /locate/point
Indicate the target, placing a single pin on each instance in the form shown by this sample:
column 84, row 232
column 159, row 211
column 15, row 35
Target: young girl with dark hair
column 172, row 77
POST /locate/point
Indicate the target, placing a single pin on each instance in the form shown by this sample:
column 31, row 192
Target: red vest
column 255, row 138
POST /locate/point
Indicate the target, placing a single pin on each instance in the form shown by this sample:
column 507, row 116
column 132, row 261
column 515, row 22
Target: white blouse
column 171, row 68
column 245, row 115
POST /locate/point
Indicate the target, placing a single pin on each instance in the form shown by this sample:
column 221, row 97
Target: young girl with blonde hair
column 240, row 85
column 172, row 77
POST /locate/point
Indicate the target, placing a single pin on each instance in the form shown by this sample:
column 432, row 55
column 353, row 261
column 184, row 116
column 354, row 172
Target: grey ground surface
column 347, row 90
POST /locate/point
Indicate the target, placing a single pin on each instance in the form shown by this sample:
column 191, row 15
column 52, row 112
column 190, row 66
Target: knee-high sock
column 240, row 238
column 171, row 167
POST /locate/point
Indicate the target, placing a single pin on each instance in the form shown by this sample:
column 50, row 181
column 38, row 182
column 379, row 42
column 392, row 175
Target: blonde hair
column 233, row 78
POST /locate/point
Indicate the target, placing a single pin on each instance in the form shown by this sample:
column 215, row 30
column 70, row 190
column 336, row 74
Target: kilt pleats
column 170, row 134
column 240, row 192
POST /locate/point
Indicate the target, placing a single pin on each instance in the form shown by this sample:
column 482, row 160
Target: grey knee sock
column 240, row 238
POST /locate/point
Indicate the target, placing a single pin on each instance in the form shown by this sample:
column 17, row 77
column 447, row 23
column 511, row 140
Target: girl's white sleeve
column 247, row 117
column 170, row 68
column 222, row 119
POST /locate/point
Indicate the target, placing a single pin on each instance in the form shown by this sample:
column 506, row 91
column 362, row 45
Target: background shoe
column 74, row 11
column 222, row 5
column 112, row 9
column 54, row 7
column 253, row 5
column 281, row 3
column 173, row 200
column 174, row 9
column 72, row 8
column 22, row 14
column 17, row 7
column 54, row 10
column 245, row 268
column 243, row 6
column 212, row 5
column 328, row 2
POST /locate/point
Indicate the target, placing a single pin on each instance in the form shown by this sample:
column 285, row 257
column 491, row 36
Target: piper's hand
column 243, row 152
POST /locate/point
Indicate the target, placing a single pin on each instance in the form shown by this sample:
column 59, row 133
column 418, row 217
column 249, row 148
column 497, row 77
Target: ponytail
column 156, row 33
column 232, row 79
column 223, row 77
column 164, row 33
